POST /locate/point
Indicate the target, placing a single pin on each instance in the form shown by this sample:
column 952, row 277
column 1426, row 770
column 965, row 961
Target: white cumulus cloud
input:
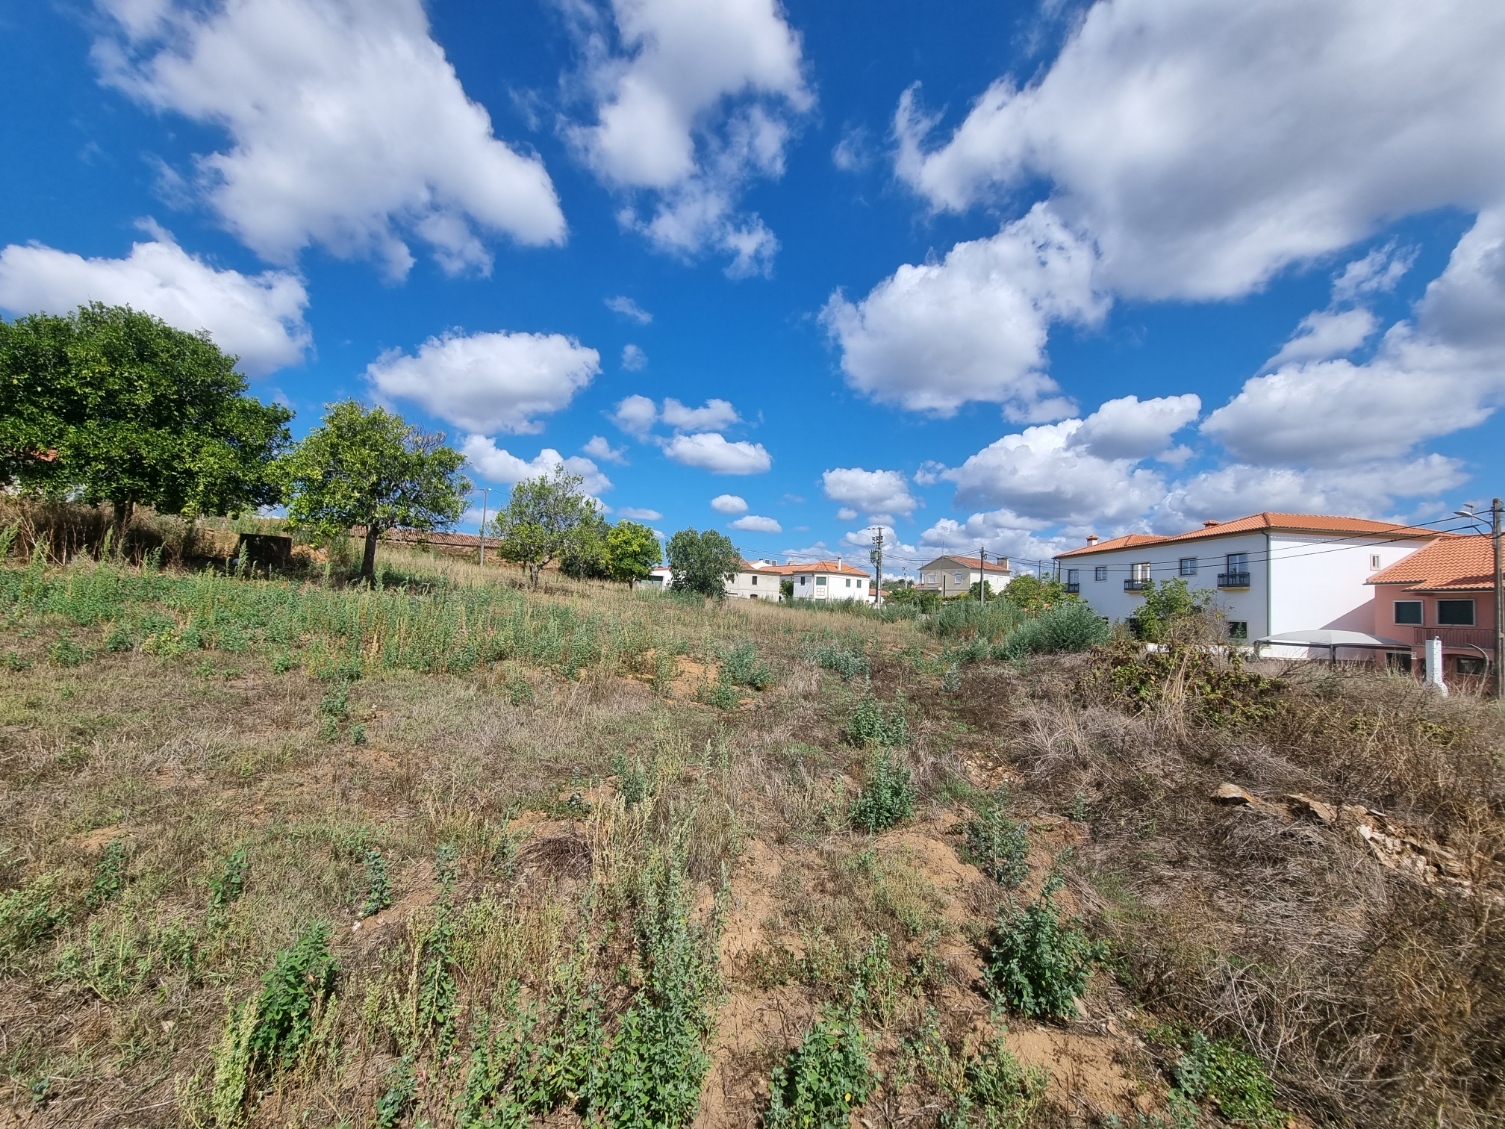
column 696, row 100
column 1206, row 145
column 636, row 513
column 1327, row 333
column 633, row 358
column 712, row 451
column 496, row 464
column 488, row 381
column 348, row 128
column 599, row 448
column 934, row 336
column 713, row 415
column 259, row 317
column 874, row 492
column 635, row 415
column 752, row 523
column 1131, row 428
column 729, row 504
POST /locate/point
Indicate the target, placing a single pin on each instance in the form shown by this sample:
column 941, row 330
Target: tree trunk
column 533, row 571
column 368, row 558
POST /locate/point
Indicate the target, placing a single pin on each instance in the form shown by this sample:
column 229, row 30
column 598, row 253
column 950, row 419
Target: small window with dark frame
column 1470, row 666
column 1238, row 630
column 1140, row 570
column 1238, row 562
column 1398, row 661
column 1408, row 612
column 1455, row 613
column 1072, row 576
column 1100, row 572
column 1188, row 566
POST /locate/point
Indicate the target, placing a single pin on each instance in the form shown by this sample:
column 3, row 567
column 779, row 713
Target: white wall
column 1318, row 582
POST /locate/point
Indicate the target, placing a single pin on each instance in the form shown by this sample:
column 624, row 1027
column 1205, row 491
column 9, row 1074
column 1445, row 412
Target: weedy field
column 452, row 853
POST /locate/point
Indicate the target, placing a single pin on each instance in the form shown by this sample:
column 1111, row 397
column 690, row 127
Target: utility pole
column 485, row 499
column 982, row 575
column 1499, row 604
column 877, row 559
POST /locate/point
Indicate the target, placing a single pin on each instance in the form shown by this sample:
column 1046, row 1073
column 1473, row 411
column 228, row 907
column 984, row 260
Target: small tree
column 113, row 405
column 547, row 518
column 1032, row 594
column 372, row 468
column 1166, row 604
column 701, row 562
column 585, row 553
column 632, row 552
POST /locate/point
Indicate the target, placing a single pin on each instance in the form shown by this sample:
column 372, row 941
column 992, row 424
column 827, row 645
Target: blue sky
column 997, row 274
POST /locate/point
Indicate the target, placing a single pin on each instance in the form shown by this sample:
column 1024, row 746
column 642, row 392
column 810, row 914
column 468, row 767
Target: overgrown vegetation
column 593, row 895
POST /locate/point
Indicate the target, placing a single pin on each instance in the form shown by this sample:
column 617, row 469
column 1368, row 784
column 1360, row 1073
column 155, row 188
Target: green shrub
column 999, row 846
column 1234, row 1080
column 722, row 695
column 298, row 982
column 394, row 1103
column 1038, row 966
column 378, row 885
column 846, row 661
column 741, row 666
column 887, row 797
column 657, row 1062
column 998, row 1093
column 635, row 780
column 65, row 652
column 1065, row 627
column 826, row 1077
column 873, row 723
column 15, row 661
column 969, row 619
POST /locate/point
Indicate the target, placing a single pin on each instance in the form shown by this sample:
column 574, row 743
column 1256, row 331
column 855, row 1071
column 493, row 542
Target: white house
column 1271, row 572
column 661, row 577
column 757, row 580
column 954, row 576
column 831, row 580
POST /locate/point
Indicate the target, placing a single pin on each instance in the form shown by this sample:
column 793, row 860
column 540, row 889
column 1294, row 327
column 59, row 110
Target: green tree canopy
column 701, row 562
column 372, row 468
column 1167, row 604
column 109, row 404
column 550, row 518
column 632, row 552
column 1032, row 594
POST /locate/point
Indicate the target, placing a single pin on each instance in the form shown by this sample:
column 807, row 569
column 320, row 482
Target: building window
column 1408, row 612
column 1100, row 572
column 1470, row 666
column 1188, row 566
column 1238, row 630
column 820, row 581
column 1374, row 561
column 961, row 578
column 849, row 582
column 755, row 581
column 1455, row 613
column 1139, row 571
column 1238, row 562
column 1398, row 661
column 802, row 582
column 1072, row 576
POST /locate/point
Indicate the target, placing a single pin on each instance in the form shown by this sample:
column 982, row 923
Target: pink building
column 1444, row 591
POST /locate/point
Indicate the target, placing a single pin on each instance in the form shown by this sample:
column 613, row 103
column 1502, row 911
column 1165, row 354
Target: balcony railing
column 1073, row 588
column 1461, row 638
column 1233, row 580
column 1136, row 585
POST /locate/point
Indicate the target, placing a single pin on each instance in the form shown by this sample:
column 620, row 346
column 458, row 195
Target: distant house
column 954, row 576
column 831, row 580
column 1270, row 572
column 1444, row 591
column 757, row 580
column 660, row 577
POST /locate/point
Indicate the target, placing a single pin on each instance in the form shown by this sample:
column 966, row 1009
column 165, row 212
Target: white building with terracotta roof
column 831, row 580
column 954, row 576
column 757, row 580
column 1269, row 572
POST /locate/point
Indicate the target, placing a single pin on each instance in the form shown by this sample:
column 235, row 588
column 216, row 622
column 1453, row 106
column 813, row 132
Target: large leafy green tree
column 632, row 552
column 109, row 404
column 372, row 468
column 550, row 518
column 701, row 562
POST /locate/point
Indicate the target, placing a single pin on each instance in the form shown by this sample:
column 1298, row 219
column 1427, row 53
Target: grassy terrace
column 452, row 853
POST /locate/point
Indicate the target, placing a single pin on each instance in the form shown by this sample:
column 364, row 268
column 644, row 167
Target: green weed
column 1038, row 966
column 1234, row 1080
column 394, row 1103
column 846, row 661
column 228, row 884
column 28, row 917
column 66, row 652
column 887, row 796
column 826, row 1077
column 873, row 723
column 999, row 846
column 301, row 977
column 15, row 661
column 378, row 885
column 109, row 875
column 740, row 666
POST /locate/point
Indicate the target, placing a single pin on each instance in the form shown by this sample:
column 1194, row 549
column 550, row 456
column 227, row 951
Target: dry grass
column 1373, row 997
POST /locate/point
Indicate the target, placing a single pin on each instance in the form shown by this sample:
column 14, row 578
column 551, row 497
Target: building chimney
column 1092, row 539
column 1210, row 522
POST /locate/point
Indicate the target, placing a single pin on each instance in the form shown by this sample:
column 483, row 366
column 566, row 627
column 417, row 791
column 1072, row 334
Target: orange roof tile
column 1292, row 523
column 839, row 568
column 1455, row 564
column 971, row 562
